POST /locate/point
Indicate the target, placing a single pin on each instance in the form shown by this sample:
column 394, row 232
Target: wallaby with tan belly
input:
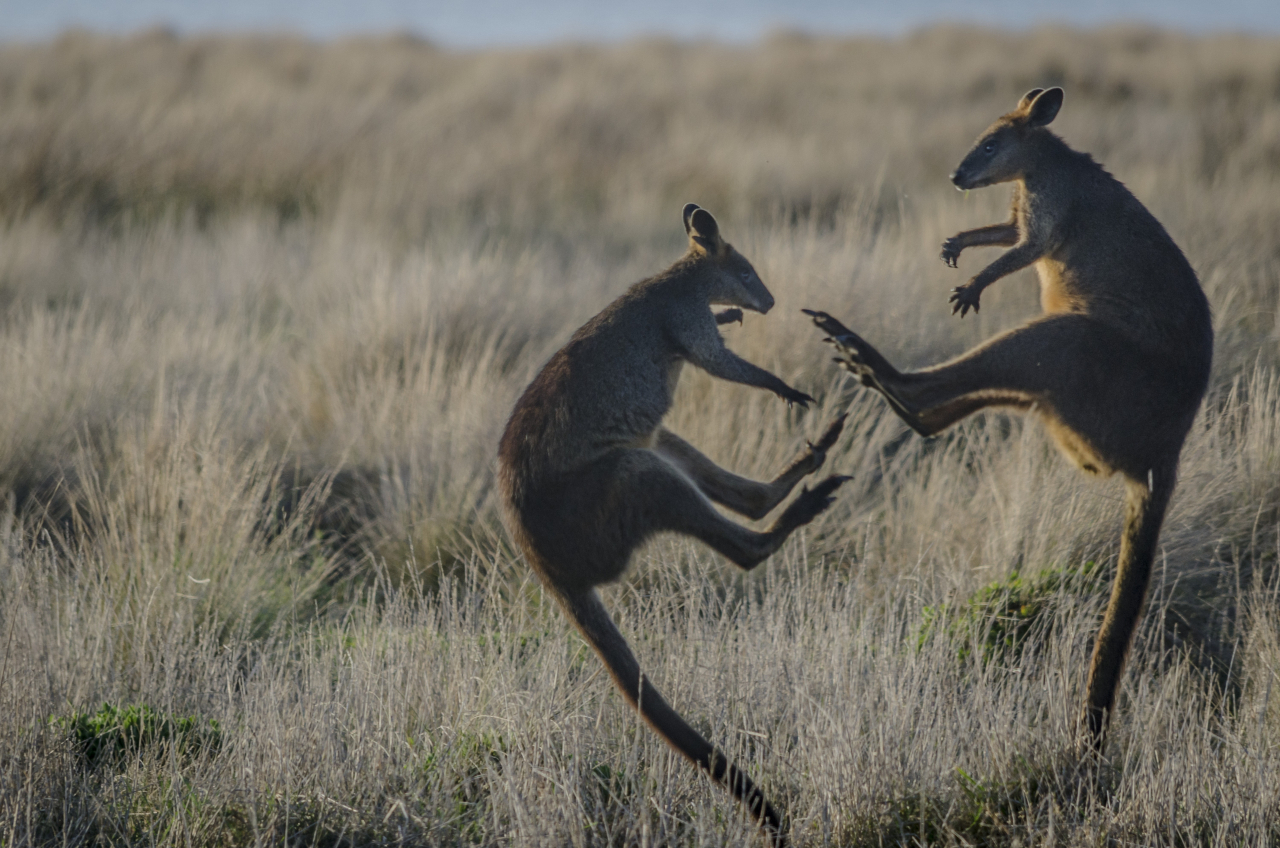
column 588, row 472
column 1116, row 367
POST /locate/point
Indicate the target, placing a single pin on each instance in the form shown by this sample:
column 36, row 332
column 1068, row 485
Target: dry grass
column 264, row 306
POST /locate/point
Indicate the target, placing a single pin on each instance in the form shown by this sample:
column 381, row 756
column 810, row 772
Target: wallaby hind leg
column 669, row 501
column 745, row 497
column 1020, row 368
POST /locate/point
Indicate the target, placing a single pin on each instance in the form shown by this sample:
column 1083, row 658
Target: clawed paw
column 964, row 298
column 729, row 316
column 951, row 252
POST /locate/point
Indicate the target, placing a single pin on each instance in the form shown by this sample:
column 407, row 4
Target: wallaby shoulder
column 1104, row 252
column 613, row 382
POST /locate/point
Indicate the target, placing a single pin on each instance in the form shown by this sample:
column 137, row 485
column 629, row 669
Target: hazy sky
column 486, row 22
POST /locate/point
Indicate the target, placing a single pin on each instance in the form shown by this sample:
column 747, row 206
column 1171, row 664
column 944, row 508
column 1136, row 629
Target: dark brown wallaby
column 588, row 472
column 1115, row 368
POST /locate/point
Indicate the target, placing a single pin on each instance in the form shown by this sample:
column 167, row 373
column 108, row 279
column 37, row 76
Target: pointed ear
column 689, row 209
column 1044, row 108
column 704, row 230
column 1027, row 98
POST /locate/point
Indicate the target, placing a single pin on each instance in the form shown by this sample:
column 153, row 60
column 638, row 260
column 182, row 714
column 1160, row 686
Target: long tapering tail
column 589, row 614
column 1145, row 505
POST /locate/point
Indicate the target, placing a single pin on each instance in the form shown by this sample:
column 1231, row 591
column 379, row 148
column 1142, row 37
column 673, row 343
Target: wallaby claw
column 839, row 335
column 845, row 340
column 951, row 252
column 797, row 397
column 827, row 324
column 834, row 429
column 729, row 316
column 816, row 452
column 964, row 298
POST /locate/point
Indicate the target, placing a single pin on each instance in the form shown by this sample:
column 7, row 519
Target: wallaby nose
column 955, row 177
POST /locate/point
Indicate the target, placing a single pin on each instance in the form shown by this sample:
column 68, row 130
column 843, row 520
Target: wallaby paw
column 729, row 316
column 811, row 503
column 964, row 298
column 951, row 252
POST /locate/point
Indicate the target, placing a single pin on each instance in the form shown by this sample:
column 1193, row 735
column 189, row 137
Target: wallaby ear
column 703, row 228
column 1027, row 98
column 689, row 209
column 1044, row 108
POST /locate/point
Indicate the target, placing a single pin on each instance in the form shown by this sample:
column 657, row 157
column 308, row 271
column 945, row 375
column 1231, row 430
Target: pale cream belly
column 1053, row 290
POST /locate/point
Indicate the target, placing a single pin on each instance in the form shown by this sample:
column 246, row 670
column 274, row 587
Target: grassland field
column 265, row 304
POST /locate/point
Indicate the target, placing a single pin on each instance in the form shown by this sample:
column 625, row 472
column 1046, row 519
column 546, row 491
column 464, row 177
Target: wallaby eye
column 746, row 276
column 989, row 147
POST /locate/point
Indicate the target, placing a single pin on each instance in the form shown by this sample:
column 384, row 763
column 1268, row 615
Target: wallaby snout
column 765, row 301
column 970, row 174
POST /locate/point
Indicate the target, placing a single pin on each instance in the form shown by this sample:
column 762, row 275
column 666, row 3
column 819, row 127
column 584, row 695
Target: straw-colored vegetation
column 264, row 306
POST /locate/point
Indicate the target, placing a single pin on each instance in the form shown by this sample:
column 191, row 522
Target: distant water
column 507, row 22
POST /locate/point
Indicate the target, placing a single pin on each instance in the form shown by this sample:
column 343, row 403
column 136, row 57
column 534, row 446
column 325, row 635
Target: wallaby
column 587, row 472
column 1116, row 367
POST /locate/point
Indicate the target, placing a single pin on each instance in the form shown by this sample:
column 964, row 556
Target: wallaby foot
column 867, row 364
column 1092, row 731
column 816, row 452
column 808, row 505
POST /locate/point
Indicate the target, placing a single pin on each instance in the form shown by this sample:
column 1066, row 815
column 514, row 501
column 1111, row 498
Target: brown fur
column 588, row 472
column 1116, row 367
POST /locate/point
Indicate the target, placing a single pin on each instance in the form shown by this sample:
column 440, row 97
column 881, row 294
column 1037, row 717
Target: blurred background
column 510, row 22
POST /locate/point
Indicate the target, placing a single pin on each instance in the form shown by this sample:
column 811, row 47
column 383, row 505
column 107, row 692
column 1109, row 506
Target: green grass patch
column 997, row 620
column 113, row 734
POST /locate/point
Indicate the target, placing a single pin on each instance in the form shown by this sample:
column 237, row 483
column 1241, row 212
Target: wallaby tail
column 591, row 617
column 1145, row 505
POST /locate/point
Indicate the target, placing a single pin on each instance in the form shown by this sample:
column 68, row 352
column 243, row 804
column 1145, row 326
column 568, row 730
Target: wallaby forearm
column 727, row 365
column 1004, row 235
column 1014, row 259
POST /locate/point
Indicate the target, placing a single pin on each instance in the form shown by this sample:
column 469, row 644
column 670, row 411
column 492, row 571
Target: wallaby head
column 1009, row 147
column 726, row 274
